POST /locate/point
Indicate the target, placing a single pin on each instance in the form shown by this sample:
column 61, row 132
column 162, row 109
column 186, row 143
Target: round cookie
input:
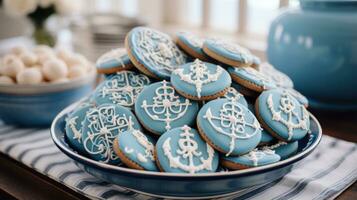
column 192, row 45
column 229, row 127
column 201, row 80
column 136, row 150
column 113, row 61
column 160, row 108
column 74, row 127
column 121, row 88
column 153, row 52
column 254, row 158
column 181, row 150
column 228, row 53
column 101, row 126
column 298, row 96
column 282, row 115
column 279, row 78
column 283, row 149
column 251, row 78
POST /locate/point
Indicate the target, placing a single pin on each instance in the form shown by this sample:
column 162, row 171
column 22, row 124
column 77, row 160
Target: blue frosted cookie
column 74, row 127
column 254, row 158
column 101, row 126
column 160, row 108
column 153, row 52
column 113, row 61
column 181, row 150
column 229, row 127
column 136, row 150
column 298, row 96
column 201, row 80
column 121, row 88
column 283, row 149
column 282, row 115
column 229, row 53
column 267, row 138
column 251, row 78
column 279, row 78
column 192, row 45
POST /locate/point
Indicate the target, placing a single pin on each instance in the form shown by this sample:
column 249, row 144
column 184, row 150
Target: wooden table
column 18, row 181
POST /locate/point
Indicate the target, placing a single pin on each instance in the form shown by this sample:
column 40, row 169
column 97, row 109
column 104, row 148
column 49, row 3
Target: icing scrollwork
column 159, row 50
column 104, row 125
column 231, row 123
column 166, row 106
column 124, row 87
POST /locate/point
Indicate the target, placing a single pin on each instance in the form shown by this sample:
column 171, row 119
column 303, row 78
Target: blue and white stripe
column 330, row 169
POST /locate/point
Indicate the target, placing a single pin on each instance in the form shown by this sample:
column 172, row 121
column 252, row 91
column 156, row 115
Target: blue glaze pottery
column 178, row 185
column 316, row 46
column 37, row 105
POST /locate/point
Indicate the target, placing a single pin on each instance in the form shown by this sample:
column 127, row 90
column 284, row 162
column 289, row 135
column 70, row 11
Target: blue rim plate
column 185, row 186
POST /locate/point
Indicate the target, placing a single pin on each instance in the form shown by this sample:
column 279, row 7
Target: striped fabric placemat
column 324, row 174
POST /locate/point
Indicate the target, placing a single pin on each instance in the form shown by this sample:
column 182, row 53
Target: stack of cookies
column 192, row 105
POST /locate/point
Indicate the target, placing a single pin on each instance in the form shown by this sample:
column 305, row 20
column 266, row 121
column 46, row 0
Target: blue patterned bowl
column 175, row 185
column 37, row 105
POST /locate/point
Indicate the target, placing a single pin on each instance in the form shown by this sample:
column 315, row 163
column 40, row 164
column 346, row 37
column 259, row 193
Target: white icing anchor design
column 144, row 142
column 231, row 123
column 103, row 125
column 255, row 155
column 124, row 88
column 287, row 107
column 77, row 134
column 167, row 104
column 199, row 75
column 114, row 54
column 159, row 50
column 188, row 150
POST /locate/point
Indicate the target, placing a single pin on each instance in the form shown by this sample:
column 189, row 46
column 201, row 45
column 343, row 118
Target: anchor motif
column 124, row 87
column 114, row 54
column 255, row 155
column 199, row 75
column 188, row 150
column 288, row 108
column 231, row 123
column 167, row 104
column 104, row 126
column 144, row 142
column 159, row 50
column 77, row 134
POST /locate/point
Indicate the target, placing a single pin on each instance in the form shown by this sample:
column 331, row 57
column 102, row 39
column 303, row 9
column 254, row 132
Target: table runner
column 324, row 174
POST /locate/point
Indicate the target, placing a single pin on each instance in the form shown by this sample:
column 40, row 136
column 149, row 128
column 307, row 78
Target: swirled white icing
column 231, row 123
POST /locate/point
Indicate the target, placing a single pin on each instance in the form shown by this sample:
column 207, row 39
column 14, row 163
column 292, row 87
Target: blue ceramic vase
column 316, row 45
